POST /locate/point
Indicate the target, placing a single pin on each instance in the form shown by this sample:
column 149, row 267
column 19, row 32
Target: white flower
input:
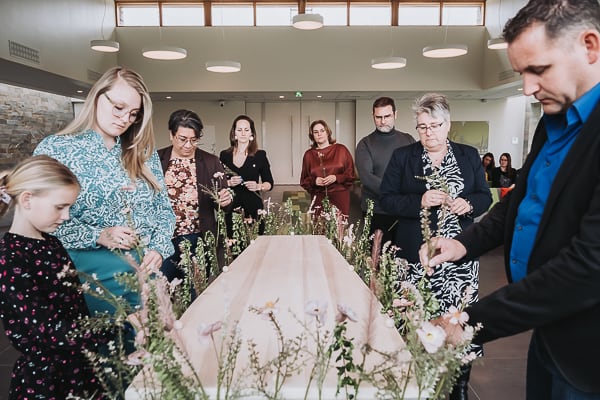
column 431, row 336
column 468, row 333
column 218, row 175
column 225, row 268
column 269, row 309
column 469, row 358
column 345, row 312
column 63, row 273
column 456, row 316
column 174, row 283
column 317, row 309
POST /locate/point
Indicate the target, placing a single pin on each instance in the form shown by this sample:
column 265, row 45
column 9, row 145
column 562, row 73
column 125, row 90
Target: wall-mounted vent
column 21, row 51
column 506, row 74
column 93, row 75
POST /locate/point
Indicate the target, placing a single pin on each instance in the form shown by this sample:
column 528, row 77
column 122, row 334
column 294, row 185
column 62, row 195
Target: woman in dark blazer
column 188, row 170
column 458, row 194
column 249, row 171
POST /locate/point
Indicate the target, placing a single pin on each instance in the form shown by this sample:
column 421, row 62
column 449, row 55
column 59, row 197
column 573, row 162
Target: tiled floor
column 500, row 375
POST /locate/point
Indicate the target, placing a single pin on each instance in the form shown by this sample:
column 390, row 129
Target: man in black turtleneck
column 373, row 153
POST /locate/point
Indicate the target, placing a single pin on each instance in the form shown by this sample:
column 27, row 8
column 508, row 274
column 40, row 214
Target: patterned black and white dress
column 449, row 281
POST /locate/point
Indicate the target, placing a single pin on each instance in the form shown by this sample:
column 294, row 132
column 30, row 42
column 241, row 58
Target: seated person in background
column 187, row 169
column 505, row 175
column 488, row 163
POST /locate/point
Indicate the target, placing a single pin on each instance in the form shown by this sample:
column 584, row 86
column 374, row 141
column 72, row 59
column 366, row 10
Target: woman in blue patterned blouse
column 109, row 146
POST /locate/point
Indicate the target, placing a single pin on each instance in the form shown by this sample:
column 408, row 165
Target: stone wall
column 27, row 116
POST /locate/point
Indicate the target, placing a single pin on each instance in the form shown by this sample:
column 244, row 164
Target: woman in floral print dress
column 40, row 303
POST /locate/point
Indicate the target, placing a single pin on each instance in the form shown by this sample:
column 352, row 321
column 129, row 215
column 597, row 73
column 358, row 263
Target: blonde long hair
column 137, row 142
column 34, row 174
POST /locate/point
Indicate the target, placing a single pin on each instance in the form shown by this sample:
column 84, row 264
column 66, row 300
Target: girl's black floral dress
column 38, row 312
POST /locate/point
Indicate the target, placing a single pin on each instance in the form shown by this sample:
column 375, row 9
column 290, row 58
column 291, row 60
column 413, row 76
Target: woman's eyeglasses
column 182, row 140
column 119, row 111
column 433, row 127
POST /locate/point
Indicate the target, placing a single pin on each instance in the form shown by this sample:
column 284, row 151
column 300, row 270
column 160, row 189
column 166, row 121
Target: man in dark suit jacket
column 550, row 223
column 177, row 161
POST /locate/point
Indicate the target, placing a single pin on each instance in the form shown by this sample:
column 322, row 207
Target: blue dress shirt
column 562, row 130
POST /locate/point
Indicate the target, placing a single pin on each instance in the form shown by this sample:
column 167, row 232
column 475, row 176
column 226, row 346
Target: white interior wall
column 506, row 120
column 354, row 120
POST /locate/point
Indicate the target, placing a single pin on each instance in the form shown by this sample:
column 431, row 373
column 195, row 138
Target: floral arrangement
column 156, row 349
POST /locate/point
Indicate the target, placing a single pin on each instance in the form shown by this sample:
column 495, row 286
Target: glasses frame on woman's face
column 434, row 127
column 119, row 111
column 185, row 140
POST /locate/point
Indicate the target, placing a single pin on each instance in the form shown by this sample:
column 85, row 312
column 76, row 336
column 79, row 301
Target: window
column 418, row 14
column 462, row 14
column 370, row 14
column 138, row 15
column 183, row 14
column 333, row 14
column 275, row 14
column 232, row 15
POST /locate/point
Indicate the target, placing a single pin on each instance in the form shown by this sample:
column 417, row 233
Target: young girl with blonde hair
column 40, row 304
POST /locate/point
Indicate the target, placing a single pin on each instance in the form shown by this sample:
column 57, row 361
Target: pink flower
column 205, row 331
column 138, row 357
column 401, row 303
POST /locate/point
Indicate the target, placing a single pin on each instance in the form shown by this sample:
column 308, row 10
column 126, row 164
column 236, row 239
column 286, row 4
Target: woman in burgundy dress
column 40, row 301
column 327, row 169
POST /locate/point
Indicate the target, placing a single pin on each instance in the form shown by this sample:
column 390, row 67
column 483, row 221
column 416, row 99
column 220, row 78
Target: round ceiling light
column 497, row 44
column 445, row 51
column 105, row 46
column 223, row 66
column 307, row 21
column 164, row 53
column 388, row 63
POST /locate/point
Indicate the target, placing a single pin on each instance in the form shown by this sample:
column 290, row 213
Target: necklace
column 437, row 159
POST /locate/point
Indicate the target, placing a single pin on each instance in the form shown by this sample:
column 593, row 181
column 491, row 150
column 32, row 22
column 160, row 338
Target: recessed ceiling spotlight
column 282, row 97
column 168, row 97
